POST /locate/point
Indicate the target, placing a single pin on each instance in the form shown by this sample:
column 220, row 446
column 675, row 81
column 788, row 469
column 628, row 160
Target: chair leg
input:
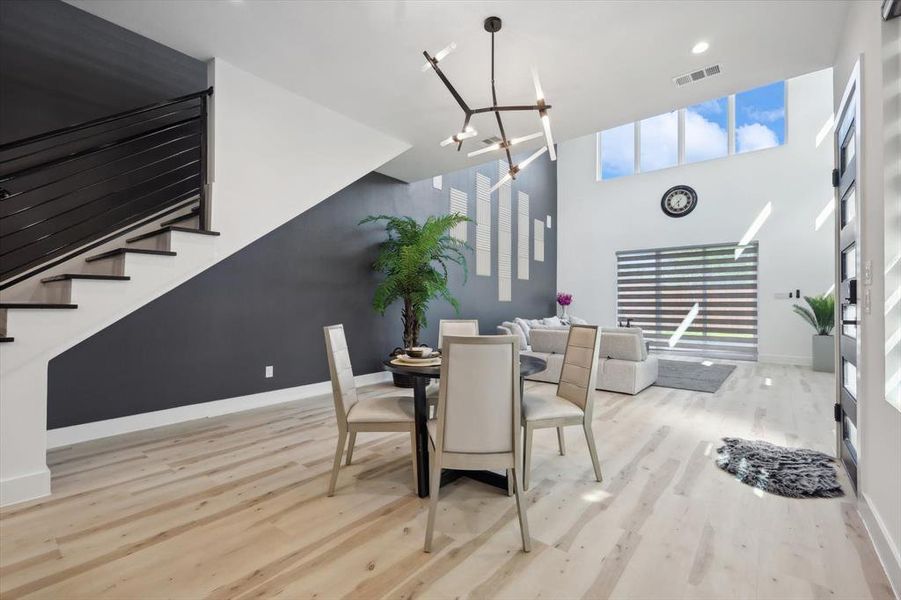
column 589, row 437
column 413, row 452
column 560, row 442
column 510, row 482
column 521, row 510
column 339, row 451
column 527, row 457
column 434, row 487
column 351, row 439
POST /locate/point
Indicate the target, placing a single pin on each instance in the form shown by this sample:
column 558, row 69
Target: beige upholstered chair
column 574, row 401
column 355, row 414
column 451, row 327
column 478, row 424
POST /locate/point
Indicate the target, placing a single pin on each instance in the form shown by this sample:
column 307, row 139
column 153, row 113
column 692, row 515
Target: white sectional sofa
column 623, row 364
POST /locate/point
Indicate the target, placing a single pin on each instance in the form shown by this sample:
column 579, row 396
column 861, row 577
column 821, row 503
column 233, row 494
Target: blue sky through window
column 760, row 118
column 618, row 151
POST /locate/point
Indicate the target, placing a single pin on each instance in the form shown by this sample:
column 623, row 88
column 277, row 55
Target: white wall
column 877, row 45
column 596, row 219
column 276, row 154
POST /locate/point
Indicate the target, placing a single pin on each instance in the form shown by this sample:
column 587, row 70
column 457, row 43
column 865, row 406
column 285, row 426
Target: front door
column 845, row 180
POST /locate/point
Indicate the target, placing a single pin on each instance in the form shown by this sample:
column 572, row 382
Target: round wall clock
column 678, row 201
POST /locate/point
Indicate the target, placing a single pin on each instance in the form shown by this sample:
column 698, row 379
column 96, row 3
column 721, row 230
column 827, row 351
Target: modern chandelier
column 492, row 26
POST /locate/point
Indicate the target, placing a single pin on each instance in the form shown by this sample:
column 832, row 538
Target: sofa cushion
column 552, row 341
column 553, row 322
column 622, row 346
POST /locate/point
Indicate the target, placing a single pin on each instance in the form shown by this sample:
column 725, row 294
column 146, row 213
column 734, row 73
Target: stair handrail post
column 203, row 209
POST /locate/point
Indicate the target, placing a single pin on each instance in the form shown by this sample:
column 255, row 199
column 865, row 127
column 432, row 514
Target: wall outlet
column 270, row 371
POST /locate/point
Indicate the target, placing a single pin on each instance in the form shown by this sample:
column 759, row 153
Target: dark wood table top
column 528, row 365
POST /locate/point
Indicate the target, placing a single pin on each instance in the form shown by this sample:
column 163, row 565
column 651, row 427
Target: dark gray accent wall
column 211, row 337
column 60, row 65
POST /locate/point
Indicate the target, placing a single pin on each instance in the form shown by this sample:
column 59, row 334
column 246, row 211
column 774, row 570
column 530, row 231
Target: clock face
column 678, row 201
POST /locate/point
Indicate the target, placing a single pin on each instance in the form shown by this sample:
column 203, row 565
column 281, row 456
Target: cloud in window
column 765, row 116
column 704, row 139
column 659, row 142
column 754, row 137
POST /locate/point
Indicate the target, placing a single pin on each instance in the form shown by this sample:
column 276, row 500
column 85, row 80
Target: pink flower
column 564, row 299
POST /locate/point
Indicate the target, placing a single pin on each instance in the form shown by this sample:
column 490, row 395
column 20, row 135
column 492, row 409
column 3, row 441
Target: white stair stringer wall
column 274, row 155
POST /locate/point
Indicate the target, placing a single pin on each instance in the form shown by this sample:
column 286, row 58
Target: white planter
column 823, row 347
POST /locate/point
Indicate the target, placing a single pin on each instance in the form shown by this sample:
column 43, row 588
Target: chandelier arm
column 500, row 124
column 465, row 125
column 447, row 83
column 486, row 109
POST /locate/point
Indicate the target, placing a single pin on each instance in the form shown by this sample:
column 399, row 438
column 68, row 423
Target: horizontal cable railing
column 695, row 300
column 67, row 191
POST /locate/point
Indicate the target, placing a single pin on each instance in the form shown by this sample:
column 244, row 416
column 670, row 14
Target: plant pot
column 403, row 381
column 823, row 353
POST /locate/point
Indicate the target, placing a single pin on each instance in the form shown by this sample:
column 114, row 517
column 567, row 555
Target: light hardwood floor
column 236, row 507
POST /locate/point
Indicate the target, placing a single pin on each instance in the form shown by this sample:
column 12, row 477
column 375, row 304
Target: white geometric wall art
column 459, row 201
column 539, row 240
column 483, row 225
column 522, row 234
column 504, row 237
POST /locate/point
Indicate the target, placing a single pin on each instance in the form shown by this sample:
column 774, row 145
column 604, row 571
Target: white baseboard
column 24, row 487
column 886, row 548
column 785, row 359
column 66, row 436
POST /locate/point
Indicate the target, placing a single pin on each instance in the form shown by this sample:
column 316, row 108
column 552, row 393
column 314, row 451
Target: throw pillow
column 552, row 322
column 517, row 330
column 525, row 326
column 577, row 321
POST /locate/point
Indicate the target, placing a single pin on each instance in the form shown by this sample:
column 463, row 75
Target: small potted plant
column 820, row 313
column 564, row 300
column 415, row 260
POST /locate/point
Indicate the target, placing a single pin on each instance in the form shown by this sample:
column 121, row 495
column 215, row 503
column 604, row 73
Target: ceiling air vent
column 698, row 75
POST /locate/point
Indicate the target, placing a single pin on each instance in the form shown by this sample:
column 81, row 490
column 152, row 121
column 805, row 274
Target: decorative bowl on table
column 420, row 352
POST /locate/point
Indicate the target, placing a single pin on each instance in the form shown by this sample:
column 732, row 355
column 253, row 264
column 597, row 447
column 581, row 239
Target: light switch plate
column 437, row 182
column 270, row 371
column 868, row 272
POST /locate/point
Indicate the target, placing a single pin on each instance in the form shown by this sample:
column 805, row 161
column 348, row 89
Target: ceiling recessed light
column 700, row 48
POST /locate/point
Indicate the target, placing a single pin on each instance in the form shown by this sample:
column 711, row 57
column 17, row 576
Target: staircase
column 95, row 220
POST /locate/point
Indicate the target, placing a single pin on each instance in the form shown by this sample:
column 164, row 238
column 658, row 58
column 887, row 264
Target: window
column 659, row 142
column 706, row 130
column 691, row 300
column 760, row 118
column 617, row 155
column 747, row 121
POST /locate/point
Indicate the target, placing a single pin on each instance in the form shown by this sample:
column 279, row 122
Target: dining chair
column 450, row 327
column 356, row 414
column 478, row 424
column 574, row 401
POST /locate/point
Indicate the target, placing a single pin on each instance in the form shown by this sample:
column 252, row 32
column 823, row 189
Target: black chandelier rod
column 497, row 113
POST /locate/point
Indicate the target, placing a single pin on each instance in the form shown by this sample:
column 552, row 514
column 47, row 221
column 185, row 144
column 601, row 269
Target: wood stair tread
column 41, row 305
column 167, row 229
column 70, row 276
column 194, row 213
column 6, row 339
column 120, row 251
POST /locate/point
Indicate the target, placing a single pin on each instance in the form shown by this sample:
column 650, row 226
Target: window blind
column 657, row 290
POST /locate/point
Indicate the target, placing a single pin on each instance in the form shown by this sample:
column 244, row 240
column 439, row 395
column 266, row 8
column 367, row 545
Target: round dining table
column 528, row 365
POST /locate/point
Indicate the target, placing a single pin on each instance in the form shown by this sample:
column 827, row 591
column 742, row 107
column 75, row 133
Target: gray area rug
column 791, row 472
column 688, row 375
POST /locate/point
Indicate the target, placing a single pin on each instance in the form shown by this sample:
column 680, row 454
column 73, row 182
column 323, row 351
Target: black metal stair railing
column 66, row 191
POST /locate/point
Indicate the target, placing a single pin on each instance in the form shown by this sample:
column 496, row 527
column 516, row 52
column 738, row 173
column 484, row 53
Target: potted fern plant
column 415, row 260
column 820, row 313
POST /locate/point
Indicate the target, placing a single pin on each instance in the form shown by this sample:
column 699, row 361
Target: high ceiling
column 601, row 63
